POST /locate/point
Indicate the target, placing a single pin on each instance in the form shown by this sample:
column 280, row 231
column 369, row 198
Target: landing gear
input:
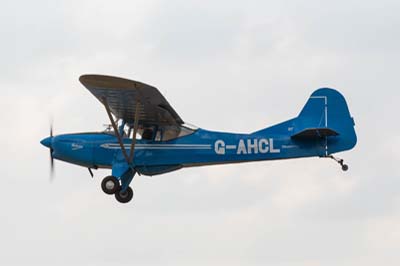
column 110, row 185
column 118, row 184
column 124, row 197
column 345, row 167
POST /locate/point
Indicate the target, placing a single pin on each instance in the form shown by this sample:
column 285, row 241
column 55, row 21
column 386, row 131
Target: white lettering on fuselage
column 249, row 146
column 219, row 147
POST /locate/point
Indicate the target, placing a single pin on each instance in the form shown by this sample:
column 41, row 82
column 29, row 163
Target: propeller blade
column 51, row 154
column 51, row 165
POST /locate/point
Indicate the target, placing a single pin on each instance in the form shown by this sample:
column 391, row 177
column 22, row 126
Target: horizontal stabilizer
column 315, row 133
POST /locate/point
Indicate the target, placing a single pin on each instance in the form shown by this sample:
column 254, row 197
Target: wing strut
column 121, row 144
column 135, row 128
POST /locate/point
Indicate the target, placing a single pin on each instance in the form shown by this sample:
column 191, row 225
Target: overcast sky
column 223, row 65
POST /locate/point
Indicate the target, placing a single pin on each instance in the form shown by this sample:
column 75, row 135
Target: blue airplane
column 146, row 136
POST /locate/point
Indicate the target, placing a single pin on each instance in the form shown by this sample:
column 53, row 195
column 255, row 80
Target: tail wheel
column 124, row 197
column 110, row 185
column 344, row 166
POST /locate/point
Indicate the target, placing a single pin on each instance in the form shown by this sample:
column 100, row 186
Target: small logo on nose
column 75, row 146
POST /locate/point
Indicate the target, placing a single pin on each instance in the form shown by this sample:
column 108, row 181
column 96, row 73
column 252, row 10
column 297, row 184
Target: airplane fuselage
column 101, row 150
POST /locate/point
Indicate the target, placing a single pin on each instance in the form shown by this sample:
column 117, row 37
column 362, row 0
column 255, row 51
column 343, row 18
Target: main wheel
column 110, row 185
column 124, row 197
column 345, row 167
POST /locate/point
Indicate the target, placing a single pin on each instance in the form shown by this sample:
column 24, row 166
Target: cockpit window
column 173, row 132
column 156, row 133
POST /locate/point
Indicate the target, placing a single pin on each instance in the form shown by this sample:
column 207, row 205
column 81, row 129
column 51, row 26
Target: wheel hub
column 110, row 185
column 123, row 194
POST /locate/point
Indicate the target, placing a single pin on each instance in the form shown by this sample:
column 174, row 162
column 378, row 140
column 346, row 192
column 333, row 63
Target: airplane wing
column 122, row 96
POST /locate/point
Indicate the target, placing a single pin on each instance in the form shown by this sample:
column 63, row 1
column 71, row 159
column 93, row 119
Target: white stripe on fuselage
column 159, row 146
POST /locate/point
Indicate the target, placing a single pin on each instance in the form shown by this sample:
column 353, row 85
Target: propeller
column 51, row 154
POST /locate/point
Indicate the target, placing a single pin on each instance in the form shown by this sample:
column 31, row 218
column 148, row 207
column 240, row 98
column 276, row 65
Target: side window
column 185, row 131
column 173, row 132
column 170, row 132
column 158, row 135
column 164, row 133
column 138, row 133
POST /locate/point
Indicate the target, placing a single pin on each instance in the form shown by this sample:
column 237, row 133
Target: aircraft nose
column 46, row 142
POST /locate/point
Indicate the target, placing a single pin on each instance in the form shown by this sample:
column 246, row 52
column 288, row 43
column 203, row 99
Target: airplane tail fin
column 326, row 115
